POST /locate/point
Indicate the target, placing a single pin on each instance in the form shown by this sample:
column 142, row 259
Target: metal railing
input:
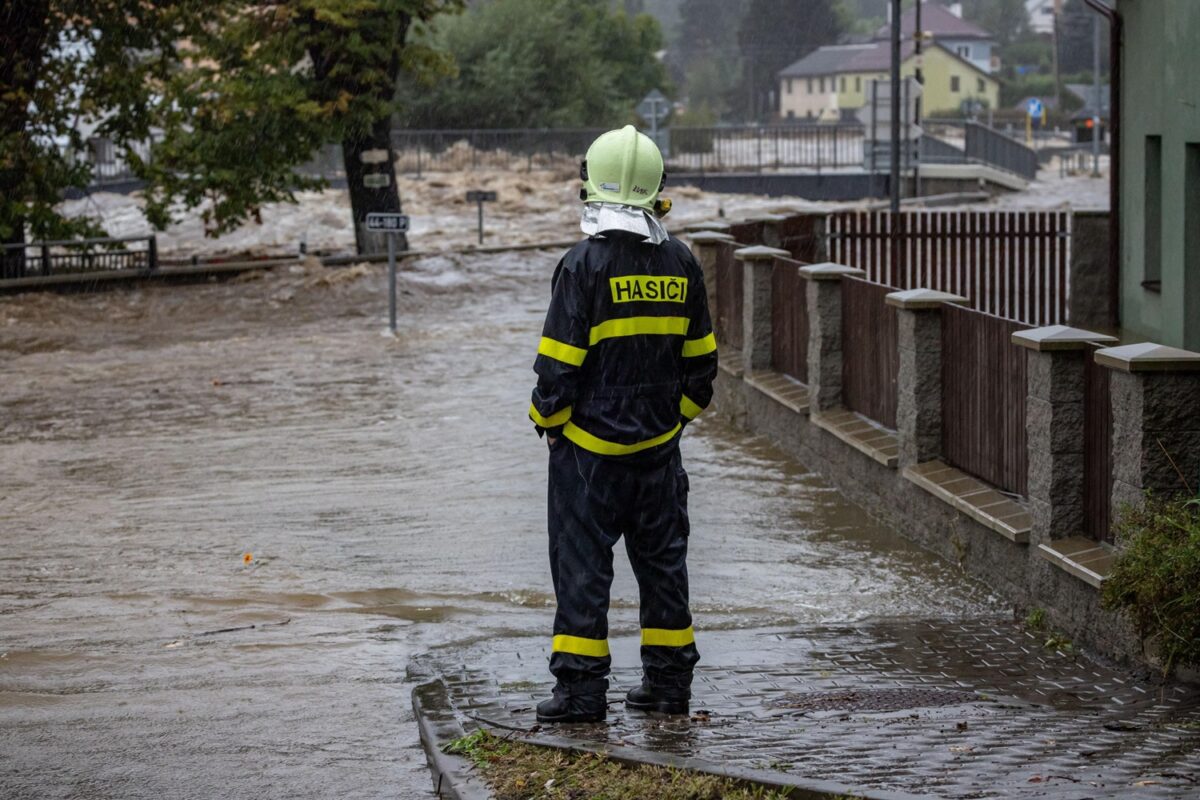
column 75, row 256
column 992, row 147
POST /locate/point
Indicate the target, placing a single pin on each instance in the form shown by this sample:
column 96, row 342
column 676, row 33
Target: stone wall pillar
column 919, row 382
column 758, row 265
column 823, row 294
column 705, row 245
column 1155, row 394
column 772, row 229
column 1054, row 427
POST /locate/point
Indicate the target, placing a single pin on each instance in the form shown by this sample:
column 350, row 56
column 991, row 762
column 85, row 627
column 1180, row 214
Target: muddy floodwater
column 234, row 516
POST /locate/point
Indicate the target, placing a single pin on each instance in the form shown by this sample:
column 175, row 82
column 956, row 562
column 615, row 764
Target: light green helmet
column 624, row 167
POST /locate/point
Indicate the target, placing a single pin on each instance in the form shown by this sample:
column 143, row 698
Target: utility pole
column 1096, row 100
column 1054, row 56
column 919, row 39
column 895, row 187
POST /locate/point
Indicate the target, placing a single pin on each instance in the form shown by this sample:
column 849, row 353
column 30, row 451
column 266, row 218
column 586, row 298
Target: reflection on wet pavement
column 391, row 494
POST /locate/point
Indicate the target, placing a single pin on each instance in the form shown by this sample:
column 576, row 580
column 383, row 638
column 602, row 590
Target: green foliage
column 539, row 63
column 1156, row 579
column 241, row 94
column 774, row 34
column 1036, row 619
column 704, row 56
column 1007, row 20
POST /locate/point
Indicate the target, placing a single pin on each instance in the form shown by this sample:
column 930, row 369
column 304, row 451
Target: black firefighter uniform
column 627, row 358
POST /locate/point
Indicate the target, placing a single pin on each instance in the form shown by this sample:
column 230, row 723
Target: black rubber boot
column 584, row 703
column 662, row 701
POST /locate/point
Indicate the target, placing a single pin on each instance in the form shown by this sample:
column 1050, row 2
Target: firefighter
column 626, row 360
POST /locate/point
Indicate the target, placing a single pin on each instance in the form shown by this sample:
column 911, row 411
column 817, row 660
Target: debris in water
column 246, row 557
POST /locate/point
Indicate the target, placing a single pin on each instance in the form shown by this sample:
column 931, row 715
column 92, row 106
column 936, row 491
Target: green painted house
column 1160, row 170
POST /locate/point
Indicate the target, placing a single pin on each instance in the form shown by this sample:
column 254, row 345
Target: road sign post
column 654, row 109
column 392, row 225
column 479, row 198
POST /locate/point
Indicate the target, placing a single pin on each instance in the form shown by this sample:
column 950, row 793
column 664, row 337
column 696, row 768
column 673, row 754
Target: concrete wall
column 1159, row 98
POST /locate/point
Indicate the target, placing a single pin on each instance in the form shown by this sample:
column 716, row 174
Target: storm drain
column 874, row 700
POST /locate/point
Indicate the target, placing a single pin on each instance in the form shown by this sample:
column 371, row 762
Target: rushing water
column 391, row 495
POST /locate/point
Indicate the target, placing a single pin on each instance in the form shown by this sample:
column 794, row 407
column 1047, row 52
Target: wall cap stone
column 1060, row 337
column 922, row 299
column 714, row 225
column 710, row 237
column 829, row 271
column 759, row 252
column 1148, row 357
column 768, row 217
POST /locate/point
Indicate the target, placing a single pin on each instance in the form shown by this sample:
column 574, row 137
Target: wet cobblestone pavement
column 974, row 709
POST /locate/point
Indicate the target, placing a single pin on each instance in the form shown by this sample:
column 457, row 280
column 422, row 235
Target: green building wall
column 1160, row 171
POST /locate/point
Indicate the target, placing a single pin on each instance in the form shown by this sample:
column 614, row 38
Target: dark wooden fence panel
column 729, row 297
column 747, row 233
column 1097, row 451
column 983, row 397
column 789, row 320
column 800, row 235
column 870, row 360
column 1014, row 264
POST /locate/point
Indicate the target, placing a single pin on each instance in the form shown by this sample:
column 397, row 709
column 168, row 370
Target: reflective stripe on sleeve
column 633, row 326
column 665, row 637
column 579, row 646
column 552, row 421
column 606, row 448
column 561, row 351
column 699, row 347
column 688, row 408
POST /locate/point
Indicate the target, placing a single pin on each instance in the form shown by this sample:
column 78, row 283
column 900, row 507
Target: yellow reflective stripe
column 552, row 421
column 664, row 637
column 606, row 448
column 632, row 326
column 688, row 408
column 577, row 645
column 561, row 351
column 699, row 347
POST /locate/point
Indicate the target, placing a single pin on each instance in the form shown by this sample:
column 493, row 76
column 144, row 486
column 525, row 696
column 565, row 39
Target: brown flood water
column 391, row 493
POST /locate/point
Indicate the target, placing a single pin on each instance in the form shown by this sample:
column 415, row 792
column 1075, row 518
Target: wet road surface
column 392, row 495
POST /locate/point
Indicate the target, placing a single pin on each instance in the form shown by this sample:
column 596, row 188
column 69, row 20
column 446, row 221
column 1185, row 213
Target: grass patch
column 1156, row 578
column 518, row 771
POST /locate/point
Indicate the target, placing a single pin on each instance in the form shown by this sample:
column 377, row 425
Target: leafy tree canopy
column 238, row 93
column 539, row 63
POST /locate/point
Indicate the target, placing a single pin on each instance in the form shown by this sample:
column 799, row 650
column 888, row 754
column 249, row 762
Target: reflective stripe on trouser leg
column 583, row 529
column 656, row 536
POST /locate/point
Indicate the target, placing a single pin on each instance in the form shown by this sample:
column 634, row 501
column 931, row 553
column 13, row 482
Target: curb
column 454, row 777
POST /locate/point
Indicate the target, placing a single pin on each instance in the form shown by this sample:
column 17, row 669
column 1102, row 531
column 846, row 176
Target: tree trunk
column 365, row 199
column 23, row 30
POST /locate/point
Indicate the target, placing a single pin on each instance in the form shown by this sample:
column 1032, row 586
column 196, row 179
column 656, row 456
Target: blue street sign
column 1034, row 107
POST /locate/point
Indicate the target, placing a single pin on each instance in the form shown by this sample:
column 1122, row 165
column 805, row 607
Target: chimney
column 956, row 9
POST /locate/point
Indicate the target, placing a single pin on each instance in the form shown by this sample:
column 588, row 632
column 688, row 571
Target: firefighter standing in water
column 627, row 358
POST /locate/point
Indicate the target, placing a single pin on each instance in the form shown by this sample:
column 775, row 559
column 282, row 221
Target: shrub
column 1156, row 579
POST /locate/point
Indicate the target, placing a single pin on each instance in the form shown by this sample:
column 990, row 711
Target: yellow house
column 831, row 83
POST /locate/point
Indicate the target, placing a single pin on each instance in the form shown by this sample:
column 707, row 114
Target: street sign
column 480, row 197
column 377, row 180
column 654, row 107
column 1035, row 107
column 387, row 222
column 392, row 224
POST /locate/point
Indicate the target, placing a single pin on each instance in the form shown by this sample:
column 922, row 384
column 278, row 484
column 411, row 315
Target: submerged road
column 234, row 515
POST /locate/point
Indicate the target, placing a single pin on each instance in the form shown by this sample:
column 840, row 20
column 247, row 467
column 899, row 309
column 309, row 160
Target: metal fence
column 987, row 146
column 870, row 352
column 77, row 256
column 420, row 151
column 762, row 148
column 789, row 320
column 983, row 398
column 1013, row 264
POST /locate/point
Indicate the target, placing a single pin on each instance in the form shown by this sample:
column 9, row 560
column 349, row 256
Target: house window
column 822, row 85
column 791, row 114
column 1152, row 210
column 954, row 83
column 789, row 85
column 843, row 83
column 963, row 50
column 858, row 83
column 810, row 85
column 980, row 86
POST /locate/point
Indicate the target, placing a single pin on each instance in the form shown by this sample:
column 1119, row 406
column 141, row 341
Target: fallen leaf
column 247, row 558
